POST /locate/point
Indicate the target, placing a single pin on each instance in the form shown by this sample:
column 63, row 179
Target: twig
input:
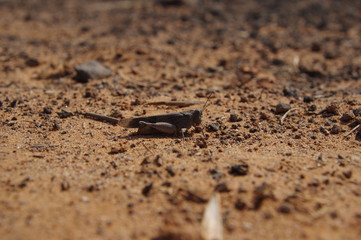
column 352, row 130
column 286, row 114
column 145, row 146
column 102, row 118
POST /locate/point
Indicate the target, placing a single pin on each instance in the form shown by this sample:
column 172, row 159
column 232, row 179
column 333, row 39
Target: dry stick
column 101, row 118
column 285, row 115
column 353, row 130
column 145, row 146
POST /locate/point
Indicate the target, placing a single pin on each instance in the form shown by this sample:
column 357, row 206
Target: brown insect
column 170, row 123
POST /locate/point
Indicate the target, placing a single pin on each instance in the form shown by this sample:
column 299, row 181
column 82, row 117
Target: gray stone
column 91, row 70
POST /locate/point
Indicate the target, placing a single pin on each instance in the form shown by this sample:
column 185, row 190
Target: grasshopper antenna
column 205, row 104
column 203, row 108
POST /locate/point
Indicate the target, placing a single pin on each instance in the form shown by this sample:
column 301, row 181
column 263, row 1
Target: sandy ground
column 64, row 176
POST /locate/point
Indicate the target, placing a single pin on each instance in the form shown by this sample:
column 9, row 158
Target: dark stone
column 357, row 112
column 222, row 187
column 89, row 94
column 158, row 161
column 213, row 127
column 47, row 110
column 278, row 62
column 347, row 174
column 215, row 174
column 253, row 130
column 289, row 93
column 32, row 62
column 170, row 171
column 55, row 127
column 282, row 108
column 307, row 99
column 194, row 197
column 312, row 108
column 261, row 193
column 240, row 205
column 346, row 117
column 64, row 186
column 333, row 109
column 91, row 70
column 335, row 129
column 285, row 208
column 146, row 190
column 234, row 118
column 239, row 170
column 13, row 104
column 178, row 87
column 263, row 116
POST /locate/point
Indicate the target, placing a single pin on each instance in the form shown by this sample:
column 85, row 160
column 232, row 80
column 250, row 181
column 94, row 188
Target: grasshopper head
column 197, row 117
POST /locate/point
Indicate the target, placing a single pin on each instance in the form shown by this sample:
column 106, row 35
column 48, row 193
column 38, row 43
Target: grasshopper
column 170, row 123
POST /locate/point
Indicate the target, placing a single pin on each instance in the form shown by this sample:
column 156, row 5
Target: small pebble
column 263, row 116
column 158, row 161
column 307, row 99
column 32, row 62
column 213, row 127
column 91, row 70
column 289, row 93
column 357, row 112
column 13, row 104
column 215, row 174
column 234, row 118
column 347, row 174
column 146, row 190
column 170, row 171
column 239, row 170
column 333, row 109
column 47, row 110
column 222, row 187
column 240, row 205
column 312, row 108
column 346, row 117
column 285, row 208
column 335, row 129
column 282, row 108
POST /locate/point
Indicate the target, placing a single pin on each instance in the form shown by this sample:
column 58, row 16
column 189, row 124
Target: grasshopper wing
column 179, row 119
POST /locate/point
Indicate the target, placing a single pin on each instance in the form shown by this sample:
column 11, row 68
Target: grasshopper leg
column 163, row 127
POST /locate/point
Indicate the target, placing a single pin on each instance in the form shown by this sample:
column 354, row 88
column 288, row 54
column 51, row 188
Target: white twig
column 286, row 114
column 352, row 130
